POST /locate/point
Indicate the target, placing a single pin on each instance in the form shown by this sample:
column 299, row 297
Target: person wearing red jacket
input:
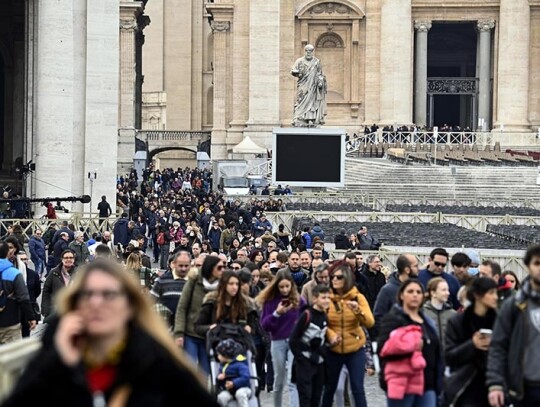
column 404, row 375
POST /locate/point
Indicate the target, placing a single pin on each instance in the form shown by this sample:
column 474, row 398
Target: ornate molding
column 128, row 24
column 330, row 8
column 422, row 26
column 486, row 25
column 329, row 40
column 452, row 86
column 220, row 26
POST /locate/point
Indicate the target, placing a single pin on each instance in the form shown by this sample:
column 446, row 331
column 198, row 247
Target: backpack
column 3, row 295
column 160, row 238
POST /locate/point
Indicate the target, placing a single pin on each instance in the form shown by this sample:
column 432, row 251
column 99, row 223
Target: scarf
column 529, row 292
column 208, row 286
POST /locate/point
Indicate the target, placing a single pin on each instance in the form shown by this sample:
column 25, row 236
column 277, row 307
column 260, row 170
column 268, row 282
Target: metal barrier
column 382, row 203
column 13, row 359
column 472, row 222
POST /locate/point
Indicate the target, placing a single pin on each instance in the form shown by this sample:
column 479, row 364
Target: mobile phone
column 285, row 303
column 487, row 332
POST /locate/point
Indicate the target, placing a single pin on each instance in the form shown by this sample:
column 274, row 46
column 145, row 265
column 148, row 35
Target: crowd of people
column 184, row 269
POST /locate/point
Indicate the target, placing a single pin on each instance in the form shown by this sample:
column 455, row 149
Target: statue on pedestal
column 310, row 106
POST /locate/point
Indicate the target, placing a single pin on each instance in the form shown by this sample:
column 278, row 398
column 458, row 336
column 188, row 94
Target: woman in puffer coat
column 437, row 307
column 349, row 311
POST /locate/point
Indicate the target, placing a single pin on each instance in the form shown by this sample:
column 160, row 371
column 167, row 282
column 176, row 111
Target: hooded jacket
column 18, row 299
column 405, row 374
column 440, row 318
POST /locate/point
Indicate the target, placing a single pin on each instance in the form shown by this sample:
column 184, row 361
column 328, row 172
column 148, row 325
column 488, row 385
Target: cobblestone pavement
column 375, row 396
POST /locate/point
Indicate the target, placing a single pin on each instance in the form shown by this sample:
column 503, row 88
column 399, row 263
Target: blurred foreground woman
column 107, row 347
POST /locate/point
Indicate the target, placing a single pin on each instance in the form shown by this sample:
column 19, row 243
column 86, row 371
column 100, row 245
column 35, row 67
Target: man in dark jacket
column 120, row 231
column 513, row 357
column 33, row 284
column 375, row 279
column 36, row 246
column 407, row 267
column 59, row 247
column 342, row 241
column 16, row 299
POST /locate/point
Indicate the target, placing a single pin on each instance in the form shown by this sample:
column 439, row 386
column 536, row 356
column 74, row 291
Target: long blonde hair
column 144, row 316
column 133, row 262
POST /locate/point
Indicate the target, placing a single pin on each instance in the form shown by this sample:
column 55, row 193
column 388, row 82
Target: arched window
column 329, row 40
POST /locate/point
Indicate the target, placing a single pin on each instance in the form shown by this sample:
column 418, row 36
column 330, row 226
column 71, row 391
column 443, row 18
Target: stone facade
column 226, row 66
column 71, row 76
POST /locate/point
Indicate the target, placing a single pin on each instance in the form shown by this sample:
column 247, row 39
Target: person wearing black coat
column 467, row 347
column 408, row 311
column 77, row 367
column 33, row 283
column 341, row 241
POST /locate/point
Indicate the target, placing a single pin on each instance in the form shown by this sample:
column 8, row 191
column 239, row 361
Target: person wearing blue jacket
column 233, row 379
column 14, row 299
column 36, row 246
column 438, row 259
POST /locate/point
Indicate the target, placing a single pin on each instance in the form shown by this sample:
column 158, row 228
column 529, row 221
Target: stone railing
column 13, row 359
column 172, row 135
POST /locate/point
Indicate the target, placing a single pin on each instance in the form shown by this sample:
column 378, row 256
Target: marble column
column 240, row 73
column 264, row 70
column 130, row 12
column 222, row 16
column 373, row 62
column 54, row 100
column 396, row 62
column 420, row 90
column 484, row 86
column 513, row 66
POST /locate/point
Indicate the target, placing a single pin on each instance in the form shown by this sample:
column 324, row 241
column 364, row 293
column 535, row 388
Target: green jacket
column 189, row 305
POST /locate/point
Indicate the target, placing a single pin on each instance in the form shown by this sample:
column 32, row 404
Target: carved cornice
column 486, row 25
column 330, row 8
column 220, row 26
column 422, row 26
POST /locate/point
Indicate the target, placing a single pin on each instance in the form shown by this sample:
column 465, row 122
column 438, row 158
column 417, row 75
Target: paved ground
column 375, row 396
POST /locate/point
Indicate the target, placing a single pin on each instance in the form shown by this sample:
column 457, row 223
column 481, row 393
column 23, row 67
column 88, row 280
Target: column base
column 126, row 150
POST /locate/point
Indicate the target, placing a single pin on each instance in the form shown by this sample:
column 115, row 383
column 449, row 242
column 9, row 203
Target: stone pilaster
column 420, row 84
column 240, row 73
column 222, row 17
column 264, row 70
column 131, row 24
column 513, row 66
column 372, row 99
column 484, row 71
column 396, row 62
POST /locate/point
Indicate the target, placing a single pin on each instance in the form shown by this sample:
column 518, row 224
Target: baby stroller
column 241, row 336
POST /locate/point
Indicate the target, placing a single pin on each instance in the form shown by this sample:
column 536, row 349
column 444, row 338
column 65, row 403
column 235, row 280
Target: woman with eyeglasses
column 108, row 347
column 349, row 311
column 281, row 306
column 59, row 278
column 198, row 284
column 408, row 313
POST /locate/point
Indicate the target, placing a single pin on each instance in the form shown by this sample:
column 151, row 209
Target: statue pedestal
column 308, row 157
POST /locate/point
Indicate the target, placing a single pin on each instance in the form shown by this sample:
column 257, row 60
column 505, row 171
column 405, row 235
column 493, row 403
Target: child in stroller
column 233, row 376
column 242, row 343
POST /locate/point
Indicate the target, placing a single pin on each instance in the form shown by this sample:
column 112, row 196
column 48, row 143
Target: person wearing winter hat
column 475, row 261
column 233, row 379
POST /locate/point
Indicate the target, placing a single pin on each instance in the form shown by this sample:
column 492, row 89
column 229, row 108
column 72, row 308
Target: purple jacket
column 280, row 327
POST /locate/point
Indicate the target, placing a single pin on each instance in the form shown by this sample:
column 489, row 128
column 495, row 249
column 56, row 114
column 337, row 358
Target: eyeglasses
column 439, row 264
column 106, row 295
column 338, row 277
column 220, row 267
column 236, row 267
column 23, row 259
column 68, row 258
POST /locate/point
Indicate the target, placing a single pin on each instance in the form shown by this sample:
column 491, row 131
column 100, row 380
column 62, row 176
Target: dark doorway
column 2, row 111
column 452, row 54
